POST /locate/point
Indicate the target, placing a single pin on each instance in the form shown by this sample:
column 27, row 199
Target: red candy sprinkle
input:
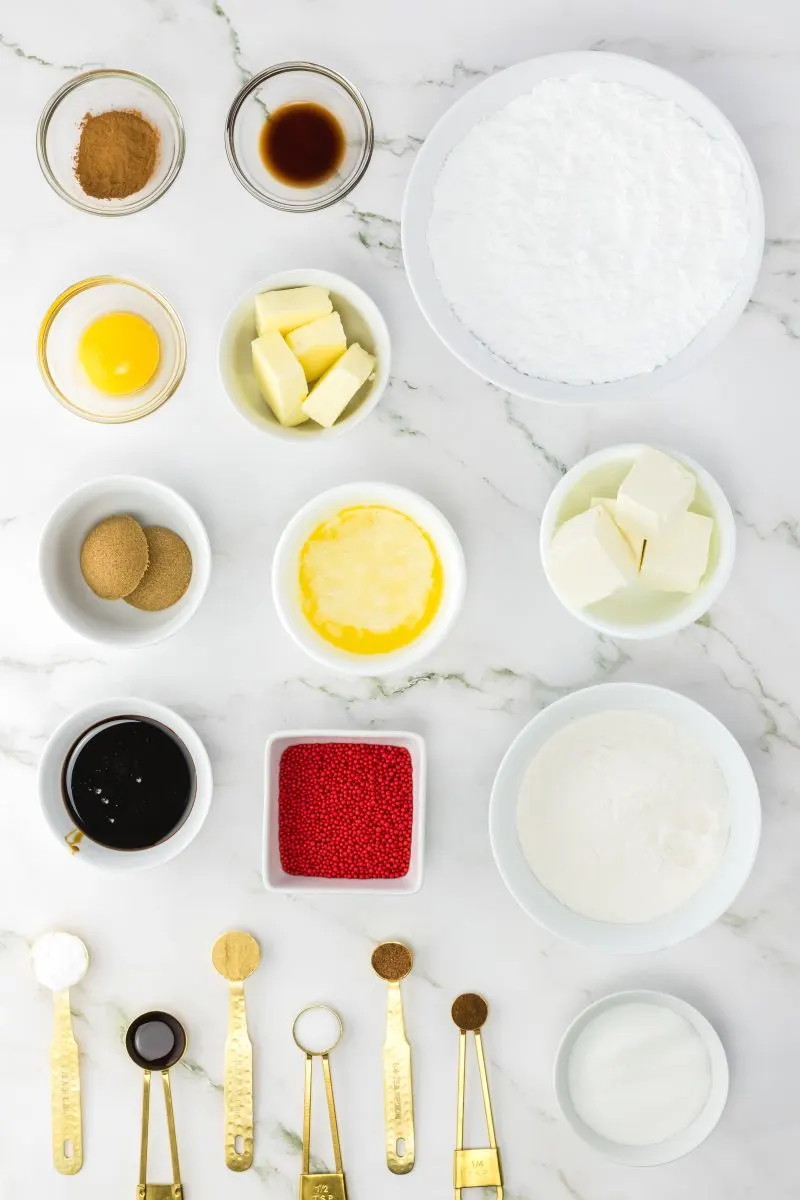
column 345, row 810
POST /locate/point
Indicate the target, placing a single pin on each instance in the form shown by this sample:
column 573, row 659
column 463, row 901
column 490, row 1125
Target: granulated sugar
column 588, row 231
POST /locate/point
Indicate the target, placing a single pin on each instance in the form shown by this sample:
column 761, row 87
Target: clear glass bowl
column 97, row 92
column 292, row 83
column 65, row 321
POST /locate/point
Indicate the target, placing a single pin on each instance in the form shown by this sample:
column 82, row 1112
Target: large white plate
column 495, row 93
column 700, row 910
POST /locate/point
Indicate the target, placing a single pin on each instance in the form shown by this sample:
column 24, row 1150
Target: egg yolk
column 119, row 353
column 370, row 580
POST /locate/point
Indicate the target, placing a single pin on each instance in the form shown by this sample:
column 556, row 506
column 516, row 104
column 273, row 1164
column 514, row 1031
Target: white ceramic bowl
column 51, row 798
column 114, row 621
column 637, row 612
column 701, row 909
column 691, row 1137
column 285, row 588
column 362, row 323
column 274, row 875
column 495, row 93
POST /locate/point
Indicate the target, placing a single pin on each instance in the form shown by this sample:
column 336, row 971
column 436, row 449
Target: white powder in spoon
column 588, row 231
column 60, row 960
column 623, row 816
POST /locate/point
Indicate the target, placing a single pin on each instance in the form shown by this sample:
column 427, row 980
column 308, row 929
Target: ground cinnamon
column 117, row 154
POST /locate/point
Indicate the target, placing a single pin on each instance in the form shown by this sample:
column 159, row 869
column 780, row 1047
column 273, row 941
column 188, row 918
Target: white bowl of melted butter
column 368, row 578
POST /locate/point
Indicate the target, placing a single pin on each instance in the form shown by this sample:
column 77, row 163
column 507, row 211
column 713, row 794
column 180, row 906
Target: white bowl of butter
column 679, row 537
column 364, row 331
column 368, row 578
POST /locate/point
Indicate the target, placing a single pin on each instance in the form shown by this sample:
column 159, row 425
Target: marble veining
column 489, row 461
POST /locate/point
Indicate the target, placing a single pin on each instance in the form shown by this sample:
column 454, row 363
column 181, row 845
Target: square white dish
column 275, row 878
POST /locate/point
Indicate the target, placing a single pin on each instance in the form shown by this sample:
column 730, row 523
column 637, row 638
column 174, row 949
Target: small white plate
column 701, row 909
column 113, row 621
column 691, row 1137
column 637, row 612
column 495, row 93
column 362, row 323
column 51, row 797
column 275, row 878
column 285, row 576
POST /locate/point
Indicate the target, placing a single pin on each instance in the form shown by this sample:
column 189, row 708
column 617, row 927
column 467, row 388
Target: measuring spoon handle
column 398, row 1092
column 65, row 1089
column 238, row 1085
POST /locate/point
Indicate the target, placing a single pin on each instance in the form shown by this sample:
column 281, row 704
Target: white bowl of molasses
column 299, row 136
column 125, row 784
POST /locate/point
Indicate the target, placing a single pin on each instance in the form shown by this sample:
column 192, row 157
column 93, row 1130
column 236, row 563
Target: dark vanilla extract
column 302, row 144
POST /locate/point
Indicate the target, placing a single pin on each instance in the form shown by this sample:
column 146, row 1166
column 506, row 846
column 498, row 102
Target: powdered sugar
column 623, row 815
column 588, row 231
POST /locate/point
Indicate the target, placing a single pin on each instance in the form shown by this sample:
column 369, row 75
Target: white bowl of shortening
column 625, row 818
column 582, row 227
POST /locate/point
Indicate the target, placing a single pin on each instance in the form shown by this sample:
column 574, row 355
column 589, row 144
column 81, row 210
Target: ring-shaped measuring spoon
column 156, row 1041
column 316, row 1031
column 474, row 1168
column 60, row 961
column 323, row 1027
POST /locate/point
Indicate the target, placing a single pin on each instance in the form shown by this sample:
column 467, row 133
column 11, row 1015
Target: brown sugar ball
column 114, row 557
column 169, row 573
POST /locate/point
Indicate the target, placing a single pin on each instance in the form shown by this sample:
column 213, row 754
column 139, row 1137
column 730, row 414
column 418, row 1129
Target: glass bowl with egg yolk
column 370, row 579
column 111, row 349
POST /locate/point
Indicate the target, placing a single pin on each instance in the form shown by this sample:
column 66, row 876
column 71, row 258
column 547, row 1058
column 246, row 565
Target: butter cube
column 287, row 309
column 635, row 540
column 280, row 378
column 590, row 558
column 331, row 395
column 318, row 345
column 654, row 494
column 677, row 560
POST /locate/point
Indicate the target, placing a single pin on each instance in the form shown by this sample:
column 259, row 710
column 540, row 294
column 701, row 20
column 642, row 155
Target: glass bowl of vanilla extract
column 299, row 136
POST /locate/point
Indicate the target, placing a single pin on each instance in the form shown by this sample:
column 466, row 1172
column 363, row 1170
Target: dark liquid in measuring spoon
column 128, row 783
column 302, row 144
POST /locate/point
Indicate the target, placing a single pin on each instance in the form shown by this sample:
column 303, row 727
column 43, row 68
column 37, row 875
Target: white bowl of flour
column 625, row 818
column 582, row 227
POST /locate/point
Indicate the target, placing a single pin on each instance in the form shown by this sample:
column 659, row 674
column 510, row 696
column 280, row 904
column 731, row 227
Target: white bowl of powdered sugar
column 625, row 818
column 582, row 227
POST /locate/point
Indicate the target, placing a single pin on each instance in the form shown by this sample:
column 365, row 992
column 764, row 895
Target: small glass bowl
column 65, row 321
column 292, row 83
column 96, row 92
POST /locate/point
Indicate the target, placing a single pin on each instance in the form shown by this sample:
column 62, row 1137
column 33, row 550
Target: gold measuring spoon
column 156, row 1041
column 60, row 961
column 236, row 955
column 474, row 1168
column 317, row 1031
column 392, row 961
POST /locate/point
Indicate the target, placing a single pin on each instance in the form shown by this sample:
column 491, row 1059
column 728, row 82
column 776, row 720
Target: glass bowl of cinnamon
column 110, row 142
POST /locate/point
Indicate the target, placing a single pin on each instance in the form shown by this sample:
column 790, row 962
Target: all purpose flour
column 623, row 816
column 588, row 231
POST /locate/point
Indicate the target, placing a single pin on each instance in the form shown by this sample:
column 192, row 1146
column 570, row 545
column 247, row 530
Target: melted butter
column 370, row 580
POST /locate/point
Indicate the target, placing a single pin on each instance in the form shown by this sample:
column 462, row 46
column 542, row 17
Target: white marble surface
column 489, row 462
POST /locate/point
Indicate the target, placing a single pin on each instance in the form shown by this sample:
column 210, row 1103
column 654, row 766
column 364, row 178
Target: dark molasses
column 128, row 783
column 302, row 144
